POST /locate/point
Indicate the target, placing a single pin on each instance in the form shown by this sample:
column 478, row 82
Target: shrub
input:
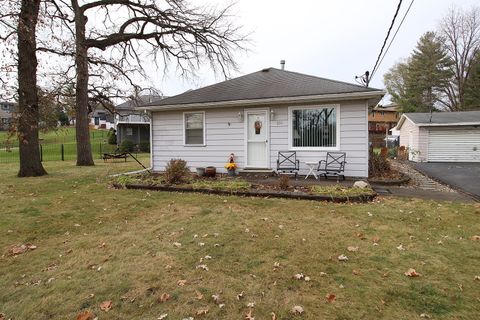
column 144, row 146
column 112, row 137
column 378, row 165
column 176, row 171
column 127, row 146
column 284, row 182
column 393, row 153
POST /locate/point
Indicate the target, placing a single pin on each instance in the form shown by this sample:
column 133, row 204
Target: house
column 131, row 124
column 441, row 136
column 7, row 110
column 101, row 118
column 381, row 119
column 257, row 115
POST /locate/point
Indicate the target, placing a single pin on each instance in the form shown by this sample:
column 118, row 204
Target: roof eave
column 477, row 123
column 373, row 98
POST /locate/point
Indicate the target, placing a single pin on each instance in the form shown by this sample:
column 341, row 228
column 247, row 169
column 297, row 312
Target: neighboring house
column 132, row 124
column 101, row 118
column 381, row 119
column 257, row 115
column 7, row 110
column 441, row 136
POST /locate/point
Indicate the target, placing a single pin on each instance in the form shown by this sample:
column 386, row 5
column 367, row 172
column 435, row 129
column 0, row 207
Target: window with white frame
column 314, row 127
column 194, row 128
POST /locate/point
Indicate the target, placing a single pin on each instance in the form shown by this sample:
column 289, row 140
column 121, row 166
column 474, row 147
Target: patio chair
column 287, row 162
column 333, row 165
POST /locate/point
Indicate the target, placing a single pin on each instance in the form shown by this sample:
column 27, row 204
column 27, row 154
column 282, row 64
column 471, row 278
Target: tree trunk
column 84, row 148
column 30, row 164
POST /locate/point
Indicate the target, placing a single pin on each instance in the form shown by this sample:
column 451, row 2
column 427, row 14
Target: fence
column 54, row 152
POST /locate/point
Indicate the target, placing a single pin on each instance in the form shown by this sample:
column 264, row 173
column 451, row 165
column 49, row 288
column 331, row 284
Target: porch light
column 240, row 115
column 272, row 114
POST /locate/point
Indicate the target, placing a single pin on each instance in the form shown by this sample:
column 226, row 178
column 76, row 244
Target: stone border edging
column 259, row 193
column 396, row 182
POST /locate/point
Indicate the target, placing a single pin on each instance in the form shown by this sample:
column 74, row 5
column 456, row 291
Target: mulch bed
column 264, row 192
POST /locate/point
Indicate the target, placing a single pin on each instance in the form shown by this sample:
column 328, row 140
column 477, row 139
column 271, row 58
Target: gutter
column 267, row 101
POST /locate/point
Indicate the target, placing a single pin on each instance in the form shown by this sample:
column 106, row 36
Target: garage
column 441, row 136
column 453, row 145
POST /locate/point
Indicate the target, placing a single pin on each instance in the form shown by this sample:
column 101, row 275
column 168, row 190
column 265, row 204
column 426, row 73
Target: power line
column 393, row 38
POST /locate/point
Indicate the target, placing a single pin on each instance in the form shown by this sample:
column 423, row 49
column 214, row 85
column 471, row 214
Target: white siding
column 415, row 139
column 225, row 134
column 454, row 144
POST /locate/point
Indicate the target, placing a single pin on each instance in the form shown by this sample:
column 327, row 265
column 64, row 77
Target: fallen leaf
column 251, row 305
column 221, row 305
column 400, row 247
column 199, row 295
column 85, row 315
column 424, row 315
column 376, row 239
column 177, row 244
column 412, row 273
column 342, row 257
column 298, row 276
column 202, row 311
column 355, row 272
column 307, row 278
column 181, row 283
column 202, row 266
column 297, row 310
column 163, row 316
column 106, row 305
column 249, row 315
column 477, row 278
column 331, row 297
column 164, row 298
column 352, row 249
column 240, row 295
column 361, row 236
column 274, row 316
column 476, row 238
column 16, row 250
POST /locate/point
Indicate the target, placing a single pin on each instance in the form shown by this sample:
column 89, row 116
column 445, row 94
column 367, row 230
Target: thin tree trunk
column 30, row 164
column 84, row 148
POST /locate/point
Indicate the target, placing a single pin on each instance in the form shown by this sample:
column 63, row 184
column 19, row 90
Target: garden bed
column 394, row 179
column 223, row 185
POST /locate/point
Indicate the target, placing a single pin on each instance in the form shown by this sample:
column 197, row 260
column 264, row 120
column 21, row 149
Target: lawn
column 52, row 142
column 97, row 244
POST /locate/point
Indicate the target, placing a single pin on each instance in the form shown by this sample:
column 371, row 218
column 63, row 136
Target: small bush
column 284, row 182
column 176, row 171
column 144, row 146
column 393, row 153
column 378, row 165
column 112, row 137
column 127, row 146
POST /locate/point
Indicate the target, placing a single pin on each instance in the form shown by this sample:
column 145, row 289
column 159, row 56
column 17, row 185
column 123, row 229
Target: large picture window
column 314, row 127
column 194, row 128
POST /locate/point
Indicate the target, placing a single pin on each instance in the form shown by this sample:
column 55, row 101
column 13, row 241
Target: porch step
column 256, row 173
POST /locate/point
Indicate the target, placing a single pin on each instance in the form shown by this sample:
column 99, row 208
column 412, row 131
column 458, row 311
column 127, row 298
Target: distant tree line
column 443, row 71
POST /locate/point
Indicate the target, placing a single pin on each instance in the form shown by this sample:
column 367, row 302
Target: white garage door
column 454, row 145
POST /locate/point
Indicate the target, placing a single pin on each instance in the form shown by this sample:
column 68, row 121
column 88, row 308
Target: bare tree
column 20, row 23
column 460, row 31
column 170, row 31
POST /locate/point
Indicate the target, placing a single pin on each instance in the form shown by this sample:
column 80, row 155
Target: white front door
column 257, row 134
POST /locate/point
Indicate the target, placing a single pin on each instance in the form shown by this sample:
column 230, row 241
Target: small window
column 194, row 128
column 314, row 127
column 129, row 131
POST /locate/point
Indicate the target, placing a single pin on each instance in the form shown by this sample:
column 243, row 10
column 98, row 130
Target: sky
column 331, row 39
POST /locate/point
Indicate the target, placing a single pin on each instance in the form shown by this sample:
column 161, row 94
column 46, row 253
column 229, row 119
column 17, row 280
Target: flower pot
column 210, row 171
column 201, row 172
column 231, row 173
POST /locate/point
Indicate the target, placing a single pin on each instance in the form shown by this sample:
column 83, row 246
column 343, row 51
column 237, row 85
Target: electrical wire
column 388, row 34
column 393, row 38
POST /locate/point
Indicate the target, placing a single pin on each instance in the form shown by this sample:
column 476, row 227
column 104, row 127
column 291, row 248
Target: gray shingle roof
column 264, row 84
column 445, row 117
column 139, row 101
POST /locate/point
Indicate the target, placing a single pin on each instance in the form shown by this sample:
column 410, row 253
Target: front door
column 257, row 129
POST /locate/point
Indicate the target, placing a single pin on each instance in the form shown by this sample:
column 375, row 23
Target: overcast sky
column 332, row 39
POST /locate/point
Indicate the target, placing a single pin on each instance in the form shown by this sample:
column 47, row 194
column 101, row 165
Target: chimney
column 282, row 64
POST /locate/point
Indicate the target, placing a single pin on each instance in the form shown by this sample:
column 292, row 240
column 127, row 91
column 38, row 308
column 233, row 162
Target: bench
column 287, row 162
column 333, row 165
column 113, row 156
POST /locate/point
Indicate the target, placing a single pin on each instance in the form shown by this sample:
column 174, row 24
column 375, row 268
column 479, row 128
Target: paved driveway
column 462, row 176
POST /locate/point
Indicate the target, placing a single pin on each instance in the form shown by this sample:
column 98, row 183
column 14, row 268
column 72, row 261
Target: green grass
column 117, row 244
column 227, row 184
column 340, row 191
column 52, row 141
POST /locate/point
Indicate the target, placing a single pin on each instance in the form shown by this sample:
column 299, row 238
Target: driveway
column 461, row 176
